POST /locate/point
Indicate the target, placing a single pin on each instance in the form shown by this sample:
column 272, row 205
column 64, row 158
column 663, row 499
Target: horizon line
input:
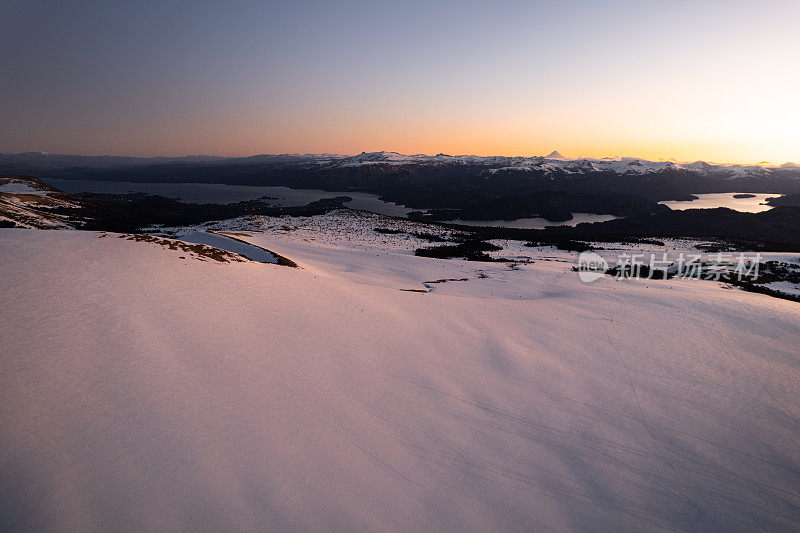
column 762, row 163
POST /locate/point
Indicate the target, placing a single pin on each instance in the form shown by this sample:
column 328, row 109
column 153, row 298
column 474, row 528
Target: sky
column 711, row 80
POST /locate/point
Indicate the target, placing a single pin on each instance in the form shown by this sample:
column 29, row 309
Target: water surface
column 536, row 222
column 724, row 199
column 249, row 251
column 220, row 193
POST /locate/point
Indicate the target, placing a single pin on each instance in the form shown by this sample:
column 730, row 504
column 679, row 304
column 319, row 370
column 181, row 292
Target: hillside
column 142, row 388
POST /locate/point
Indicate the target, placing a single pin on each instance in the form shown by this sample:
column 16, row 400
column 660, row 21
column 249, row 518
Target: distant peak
column 554, row 155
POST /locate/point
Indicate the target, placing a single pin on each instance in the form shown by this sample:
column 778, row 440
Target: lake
column 222, row 242
column 219, row 193
column 537, row 222
column 725, row 199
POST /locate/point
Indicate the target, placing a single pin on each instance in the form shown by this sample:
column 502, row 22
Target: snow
column 143, row 389
column 17, row 186
column 33, row 210
column 786, row 287
column 553, row 162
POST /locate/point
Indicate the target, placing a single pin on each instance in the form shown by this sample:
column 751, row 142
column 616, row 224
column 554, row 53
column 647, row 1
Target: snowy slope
column 20, row 186
column 143, row 389
column 27, row 202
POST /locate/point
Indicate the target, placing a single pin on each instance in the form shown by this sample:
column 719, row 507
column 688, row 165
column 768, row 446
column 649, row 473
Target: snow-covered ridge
column 144, row 388
column 553, row 162
column 28, row 202
column 23, row 185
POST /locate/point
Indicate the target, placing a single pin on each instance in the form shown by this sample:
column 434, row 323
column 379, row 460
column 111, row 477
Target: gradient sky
column 713, row 80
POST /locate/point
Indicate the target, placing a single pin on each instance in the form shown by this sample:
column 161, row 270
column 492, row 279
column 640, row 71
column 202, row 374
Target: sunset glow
column 714, row 81
column 400, row 266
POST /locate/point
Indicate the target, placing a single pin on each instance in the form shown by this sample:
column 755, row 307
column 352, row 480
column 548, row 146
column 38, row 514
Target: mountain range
column 551, row 163
column 443, row 187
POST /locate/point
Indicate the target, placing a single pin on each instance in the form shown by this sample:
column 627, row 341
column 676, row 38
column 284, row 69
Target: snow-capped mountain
column 555, row 155
column 554, row 162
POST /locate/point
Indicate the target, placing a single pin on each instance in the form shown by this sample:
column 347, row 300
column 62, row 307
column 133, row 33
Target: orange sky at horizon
column 687, row 81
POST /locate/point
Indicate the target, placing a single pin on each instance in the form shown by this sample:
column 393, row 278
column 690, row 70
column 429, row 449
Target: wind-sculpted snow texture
column 142, row 389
